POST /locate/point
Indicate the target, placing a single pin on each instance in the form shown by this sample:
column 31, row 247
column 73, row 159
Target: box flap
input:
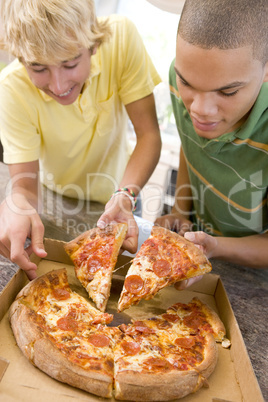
column 55, row 251
column 250, row 389
column 3, row 366
column 11, row 290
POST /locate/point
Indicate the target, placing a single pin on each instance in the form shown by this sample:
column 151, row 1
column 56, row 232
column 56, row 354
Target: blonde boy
column 64, row 106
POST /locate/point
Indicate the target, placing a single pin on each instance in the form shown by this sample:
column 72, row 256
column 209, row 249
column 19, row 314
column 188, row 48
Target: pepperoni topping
column 61, row 294
column 183, row 366
column 197, row 321
column 186, row 343
column 94, row 264
column 67, row 324
column 162, row 268
column 131, row 348
column 72, row 313
column 171, row 317
column 150, row 243
column 158, row 363
column 99, row 340
column 144, row 329
column 163, row 324
column 140, row 326
column 134, row 284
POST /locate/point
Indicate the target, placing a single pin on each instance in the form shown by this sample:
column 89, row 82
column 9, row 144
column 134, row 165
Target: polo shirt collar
column 245, row 131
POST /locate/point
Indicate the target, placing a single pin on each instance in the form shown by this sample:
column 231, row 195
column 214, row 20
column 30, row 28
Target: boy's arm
column 178, row 220
column 19, row 218
column 250, row 251
column 141, row 165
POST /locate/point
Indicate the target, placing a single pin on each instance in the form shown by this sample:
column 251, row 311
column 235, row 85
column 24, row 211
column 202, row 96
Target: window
column 158, row 29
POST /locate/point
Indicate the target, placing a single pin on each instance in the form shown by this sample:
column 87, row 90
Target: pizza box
column 232, row 381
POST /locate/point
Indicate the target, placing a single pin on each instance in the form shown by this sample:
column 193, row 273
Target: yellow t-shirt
column 82, row 147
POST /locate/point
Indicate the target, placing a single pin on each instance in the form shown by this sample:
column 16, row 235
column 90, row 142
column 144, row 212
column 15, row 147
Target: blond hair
column 50, row 31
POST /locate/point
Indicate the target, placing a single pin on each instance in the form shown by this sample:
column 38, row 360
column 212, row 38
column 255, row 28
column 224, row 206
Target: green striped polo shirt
column 228, row 174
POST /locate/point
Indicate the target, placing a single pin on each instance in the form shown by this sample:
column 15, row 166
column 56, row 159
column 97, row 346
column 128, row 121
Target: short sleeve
column 18, row 123
column 138, row 76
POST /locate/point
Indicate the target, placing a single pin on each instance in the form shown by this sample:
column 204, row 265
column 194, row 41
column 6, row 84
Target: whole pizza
column 161, row 358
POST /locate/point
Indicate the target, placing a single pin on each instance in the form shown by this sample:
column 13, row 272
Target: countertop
column 246, row 288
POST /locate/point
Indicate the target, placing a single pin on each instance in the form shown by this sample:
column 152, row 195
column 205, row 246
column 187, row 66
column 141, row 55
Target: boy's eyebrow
column 234, row 84
column 35, row 64
column 65, row 61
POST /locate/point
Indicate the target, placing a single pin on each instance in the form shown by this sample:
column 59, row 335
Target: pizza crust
column 194, row 253
column 136, row 384
column 213, row 319
column 159, row 387
column 42, row 353
column 175, row 384
column 174, row 269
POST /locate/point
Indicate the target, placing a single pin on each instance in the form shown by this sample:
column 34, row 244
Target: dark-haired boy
column 219, row 94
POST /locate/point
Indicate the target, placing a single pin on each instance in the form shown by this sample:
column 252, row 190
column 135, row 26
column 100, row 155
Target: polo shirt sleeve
column 18, row 123
column 137, row 74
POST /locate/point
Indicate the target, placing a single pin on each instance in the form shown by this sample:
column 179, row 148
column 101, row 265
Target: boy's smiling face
column 64, row 81
column 218, row 87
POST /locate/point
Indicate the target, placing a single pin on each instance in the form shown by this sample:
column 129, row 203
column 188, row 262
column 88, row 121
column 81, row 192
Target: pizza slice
column 197, row 318
column 163, row 259
column 63, row 335
column 162, row 359
column 193, row 318
column 94, row 254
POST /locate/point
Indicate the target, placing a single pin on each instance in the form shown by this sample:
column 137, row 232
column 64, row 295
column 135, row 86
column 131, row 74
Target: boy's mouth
column 65, row 93
column 61, row 96
column 204, row 125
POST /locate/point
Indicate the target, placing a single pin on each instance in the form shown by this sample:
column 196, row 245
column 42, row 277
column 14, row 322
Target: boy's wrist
column 180, row 213
column 128, row 193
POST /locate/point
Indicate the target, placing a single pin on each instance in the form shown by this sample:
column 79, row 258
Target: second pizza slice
column 94, row 254
column 163, row 259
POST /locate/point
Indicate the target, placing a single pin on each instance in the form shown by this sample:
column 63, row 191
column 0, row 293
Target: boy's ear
column 94, row 49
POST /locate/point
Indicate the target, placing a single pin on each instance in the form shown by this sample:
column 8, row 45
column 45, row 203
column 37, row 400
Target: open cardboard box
column 232, row 381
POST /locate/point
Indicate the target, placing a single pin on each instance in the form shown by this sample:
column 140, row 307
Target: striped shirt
column 229, row 174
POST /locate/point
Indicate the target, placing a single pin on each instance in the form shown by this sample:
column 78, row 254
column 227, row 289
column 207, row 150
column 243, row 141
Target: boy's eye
column 70, row 66
column 229, row 93
column 39, row 70
column 184, row 82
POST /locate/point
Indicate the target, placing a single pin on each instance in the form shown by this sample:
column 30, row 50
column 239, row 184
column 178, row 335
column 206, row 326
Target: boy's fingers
column 188, row 282
column 37, row 236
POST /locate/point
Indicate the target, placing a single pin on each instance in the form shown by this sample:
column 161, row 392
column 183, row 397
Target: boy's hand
column 203, row 241
column 19, row 221
column 207, row 244
column 181, row 285
column 118, row 209
column 178, row 224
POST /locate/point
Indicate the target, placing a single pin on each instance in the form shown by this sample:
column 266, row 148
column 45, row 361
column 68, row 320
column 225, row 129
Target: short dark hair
column 226, row 24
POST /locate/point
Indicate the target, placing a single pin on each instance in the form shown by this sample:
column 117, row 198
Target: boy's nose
column 204, row 105
column 57, row 83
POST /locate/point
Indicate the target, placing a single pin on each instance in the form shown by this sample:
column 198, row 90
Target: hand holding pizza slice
column 94, row 254
column 163, row 259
